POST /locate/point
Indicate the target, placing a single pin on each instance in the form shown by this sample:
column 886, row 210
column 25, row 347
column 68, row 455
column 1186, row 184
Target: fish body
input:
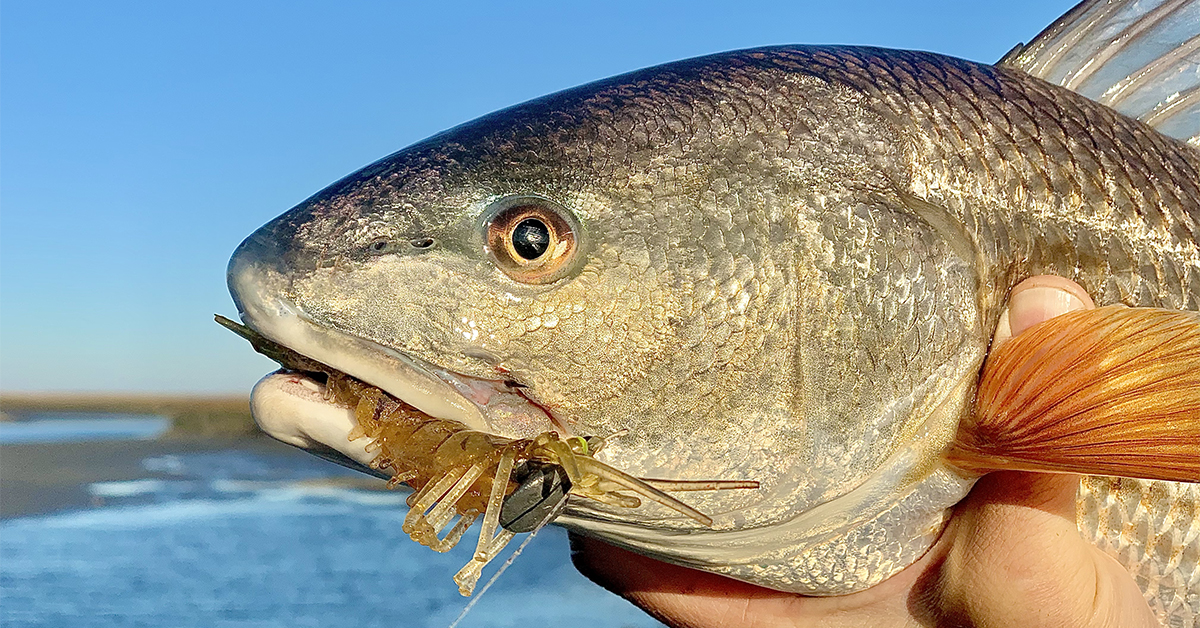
column 784, row 264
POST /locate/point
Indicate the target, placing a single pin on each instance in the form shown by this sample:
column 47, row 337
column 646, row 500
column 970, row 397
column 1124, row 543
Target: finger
column 675, row 595
column 1039, row 299
column 682, row 597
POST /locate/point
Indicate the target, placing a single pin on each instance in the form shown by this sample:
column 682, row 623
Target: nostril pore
column 421, row 243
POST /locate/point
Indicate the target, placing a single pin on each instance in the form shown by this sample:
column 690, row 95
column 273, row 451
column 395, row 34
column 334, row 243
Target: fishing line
column 520, row 548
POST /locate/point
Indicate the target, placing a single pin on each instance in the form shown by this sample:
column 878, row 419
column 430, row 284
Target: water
column 246, row 538
column 60, row 427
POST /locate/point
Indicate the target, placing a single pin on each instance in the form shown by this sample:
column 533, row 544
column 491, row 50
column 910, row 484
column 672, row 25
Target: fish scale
column 1153, row 530
column 1143, row 233
column 1152, row 222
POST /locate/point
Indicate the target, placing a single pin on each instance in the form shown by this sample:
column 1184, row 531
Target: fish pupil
column 531, row 238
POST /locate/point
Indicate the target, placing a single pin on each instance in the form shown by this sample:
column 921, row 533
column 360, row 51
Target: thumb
column 1016, row 559
column 1039, row 299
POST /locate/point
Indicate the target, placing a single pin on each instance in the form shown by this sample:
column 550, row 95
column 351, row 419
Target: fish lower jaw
column 294, row 408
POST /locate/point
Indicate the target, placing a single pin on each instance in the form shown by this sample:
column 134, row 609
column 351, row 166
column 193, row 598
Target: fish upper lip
column 433, row 390
column 403, row 376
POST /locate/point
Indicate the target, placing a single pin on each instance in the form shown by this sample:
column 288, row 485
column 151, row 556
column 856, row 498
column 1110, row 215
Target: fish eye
column 531, row 240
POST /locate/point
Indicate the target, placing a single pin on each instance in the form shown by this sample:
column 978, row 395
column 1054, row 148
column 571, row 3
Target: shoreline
column 43, row 478
column 190, row 415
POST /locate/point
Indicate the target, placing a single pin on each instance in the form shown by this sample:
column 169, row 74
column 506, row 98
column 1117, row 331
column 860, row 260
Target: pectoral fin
column 1110, row 391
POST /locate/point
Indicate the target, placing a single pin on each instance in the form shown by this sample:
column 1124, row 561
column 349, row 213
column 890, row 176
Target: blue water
column 238, row 538
column 73, row 427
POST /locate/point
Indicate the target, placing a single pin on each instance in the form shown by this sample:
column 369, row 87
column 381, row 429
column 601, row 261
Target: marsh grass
column 190, row 415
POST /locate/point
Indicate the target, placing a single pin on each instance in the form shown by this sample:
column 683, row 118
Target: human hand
column 1010, row 556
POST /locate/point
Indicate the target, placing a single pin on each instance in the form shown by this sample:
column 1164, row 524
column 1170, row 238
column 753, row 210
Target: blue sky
column 140, row 142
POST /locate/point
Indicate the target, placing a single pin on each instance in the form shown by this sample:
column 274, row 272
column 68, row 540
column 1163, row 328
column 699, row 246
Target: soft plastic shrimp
column 465, row 473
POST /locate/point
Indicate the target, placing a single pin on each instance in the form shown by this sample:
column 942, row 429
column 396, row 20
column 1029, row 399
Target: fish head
column 641, row 260
column 481, row 267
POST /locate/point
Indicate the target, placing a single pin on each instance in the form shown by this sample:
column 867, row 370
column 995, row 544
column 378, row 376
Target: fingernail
column 1003, row 329
column 1029, row 307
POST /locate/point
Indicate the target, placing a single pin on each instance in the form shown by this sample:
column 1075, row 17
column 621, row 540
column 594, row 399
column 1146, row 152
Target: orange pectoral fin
column 1109, row 391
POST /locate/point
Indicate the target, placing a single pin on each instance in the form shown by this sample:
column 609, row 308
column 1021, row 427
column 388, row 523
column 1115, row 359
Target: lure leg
column 490, row 543
column 434, row 508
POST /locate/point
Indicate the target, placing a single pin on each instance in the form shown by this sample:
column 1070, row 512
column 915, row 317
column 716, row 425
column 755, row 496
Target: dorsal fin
column 1140, row 57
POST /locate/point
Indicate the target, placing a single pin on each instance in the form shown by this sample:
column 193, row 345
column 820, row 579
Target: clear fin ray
column 1140, row 57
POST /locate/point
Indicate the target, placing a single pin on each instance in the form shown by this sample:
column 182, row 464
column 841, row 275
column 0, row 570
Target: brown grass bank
column 190, row 415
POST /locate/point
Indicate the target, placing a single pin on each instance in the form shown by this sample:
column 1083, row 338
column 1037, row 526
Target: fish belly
column 1153, row 530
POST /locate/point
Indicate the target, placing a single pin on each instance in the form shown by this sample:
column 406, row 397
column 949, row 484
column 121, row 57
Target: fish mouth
column 295, row 406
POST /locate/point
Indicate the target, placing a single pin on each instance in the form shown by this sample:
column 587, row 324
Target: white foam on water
column 168, row 463
column 127, row 488
column 241, row 486
column 294, row 491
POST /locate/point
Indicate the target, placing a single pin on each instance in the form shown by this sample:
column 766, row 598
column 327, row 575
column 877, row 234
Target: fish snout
column 258, row 273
